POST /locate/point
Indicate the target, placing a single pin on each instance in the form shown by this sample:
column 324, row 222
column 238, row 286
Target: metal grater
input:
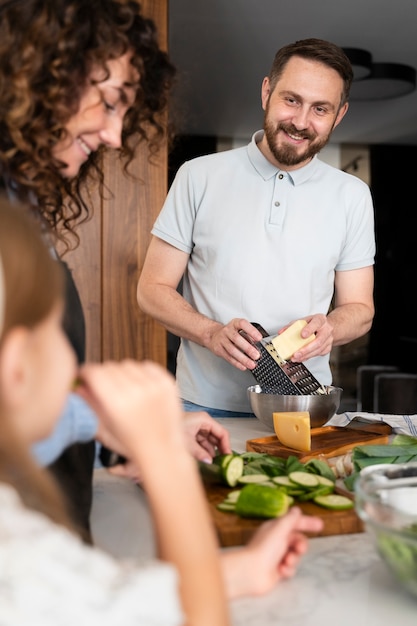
column 276, row 375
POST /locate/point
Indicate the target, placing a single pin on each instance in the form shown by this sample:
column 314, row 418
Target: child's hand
column 137, row 402
column 272, row 554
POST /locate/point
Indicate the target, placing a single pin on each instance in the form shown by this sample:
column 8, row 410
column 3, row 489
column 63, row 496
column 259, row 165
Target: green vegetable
column 232, row 470
column 257, row 500
column 225, row 468
column 320, row 468
column 303, row 479
column 400, row 556
column 403, row 449
column 321, row 490
column 253, row 478
column 335, row 502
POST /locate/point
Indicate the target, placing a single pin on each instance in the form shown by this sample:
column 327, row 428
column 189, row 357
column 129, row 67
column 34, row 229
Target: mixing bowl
column 386, row 501
column 320, row 406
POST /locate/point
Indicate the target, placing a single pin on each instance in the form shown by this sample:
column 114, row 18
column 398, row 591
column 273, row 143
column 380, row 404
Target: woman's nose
column 111, row 133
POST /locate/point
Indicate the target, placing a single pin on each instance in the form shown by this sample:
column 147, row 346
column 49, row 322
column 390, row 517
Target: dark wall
column 393, row 338
column 185, row 147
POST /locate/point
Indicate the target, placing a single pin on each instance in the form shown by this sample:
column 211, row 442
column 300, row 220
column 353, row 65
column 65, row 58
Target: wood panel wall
column 108, row 261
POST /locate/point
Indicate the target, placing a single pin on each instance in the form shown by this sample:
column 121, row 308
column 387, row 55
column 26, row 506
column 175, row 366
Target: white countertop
column 341, row 580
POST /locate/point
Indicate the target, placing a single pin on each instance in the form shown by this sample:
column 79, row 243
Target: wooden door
column 107, row 263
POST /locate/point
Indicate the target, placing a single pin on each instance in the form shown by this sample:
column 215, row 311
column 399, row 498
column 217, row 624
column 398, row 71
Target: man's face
column 301, row 112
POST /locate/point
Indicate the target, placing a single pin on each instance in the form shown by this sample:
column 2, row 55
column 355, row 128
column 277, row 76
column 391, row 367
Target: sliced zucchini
column 226, row 507
column 222, row 459
column 323, row 480
column 322, row 490
column 232, row 496
column 283, row 481
column 232, row 470
column 304, row 479
column 335, row 502
column 253, row 478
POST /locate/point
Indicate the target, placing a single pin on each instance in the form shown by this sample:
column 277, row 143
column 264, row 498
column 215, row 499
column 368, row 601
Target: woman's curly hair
column 47, row 51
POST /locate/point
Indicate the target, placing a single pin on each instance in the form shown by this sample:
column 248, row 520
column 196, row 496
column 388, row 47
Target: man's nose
column 301, row 118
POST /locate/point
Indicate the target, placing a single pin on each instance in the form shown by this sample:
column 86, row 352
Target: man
column 266, row 233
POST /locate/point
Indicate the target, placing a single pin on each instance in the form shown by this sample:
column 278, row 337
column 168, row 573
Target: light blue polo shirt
column 264, row 244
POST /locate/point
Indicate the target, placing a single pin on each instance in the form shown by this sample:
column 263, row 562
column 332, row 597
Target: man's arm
column 350, row 318
column 158, row 297
column 354, row 304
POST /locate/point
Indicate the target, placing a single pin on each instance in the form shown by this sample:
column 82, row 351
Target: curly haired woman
column 76, row 78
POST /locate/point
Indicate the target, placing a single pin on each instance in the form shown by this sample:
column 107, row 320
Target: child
column 48, row 575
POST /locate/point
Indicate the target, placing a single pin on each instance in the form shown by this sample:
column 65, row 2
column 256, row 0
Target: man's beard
column 288, row 155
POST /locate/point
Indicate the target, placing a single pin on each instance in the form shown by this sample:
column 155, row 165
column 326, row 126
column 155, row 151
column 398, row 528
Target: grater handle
column 261, row 329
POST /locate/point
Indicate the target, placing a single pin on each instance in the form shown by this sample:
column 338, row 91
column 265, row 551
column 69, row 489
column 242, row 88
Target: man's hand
column 227, row 342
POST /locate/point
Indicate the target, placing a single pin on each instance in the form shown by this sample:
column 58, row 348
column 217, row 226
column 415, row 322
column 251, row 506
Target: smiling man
column 266, row 233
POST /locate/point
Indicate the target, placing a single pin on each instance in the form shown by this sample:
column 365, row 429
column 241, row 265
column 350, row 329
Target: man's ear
column 14, row 367
column 265, row 92
column 341, row 114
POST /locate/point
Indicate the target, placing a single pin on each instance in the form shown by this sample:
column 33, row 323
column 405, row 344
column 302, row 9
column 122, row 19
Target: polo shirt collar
column 267, row 170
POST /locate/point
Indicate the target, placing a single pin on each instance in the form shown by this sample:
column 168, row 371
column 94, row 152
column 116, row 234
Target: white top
column 264, row 245
column 48, row 577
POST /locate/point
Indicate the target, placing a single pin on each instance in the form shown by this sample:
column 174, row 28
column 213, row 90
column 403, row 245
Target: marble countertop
column 341, row 580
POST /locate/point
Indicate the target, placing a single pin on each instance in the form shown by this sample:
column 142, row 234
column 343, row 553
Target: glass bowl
column 386, row 501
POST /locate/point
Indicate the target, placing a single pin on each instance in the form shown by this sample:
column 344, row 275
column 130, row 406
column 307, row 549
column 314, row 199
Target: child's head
column 37, row 364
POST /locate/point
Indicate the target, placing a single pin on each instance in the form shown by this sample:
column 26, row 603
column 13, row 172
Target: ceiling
column 224, row 48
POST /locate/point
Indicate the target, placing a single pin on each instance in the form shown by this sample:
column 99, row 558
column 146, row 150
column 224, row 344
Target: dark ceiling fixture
column 378, row 81
column 353, row 164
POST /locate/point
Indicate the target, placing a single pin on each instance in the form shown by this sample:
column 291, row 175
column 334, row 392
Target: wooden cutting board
column 233, row 530
column 326, row 442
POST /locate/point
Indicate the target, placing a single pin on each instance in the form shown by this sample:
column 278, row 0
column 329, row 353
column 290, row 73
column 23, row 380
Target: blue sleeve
column 78, row 423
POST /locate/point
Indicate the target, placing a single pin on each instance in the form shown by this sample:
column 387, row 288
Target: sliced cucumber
column 222, row 459
column 325, row 481
column 304, row 479
column 232, row 496
column 232, row 470
column 226, row 507
column 283, row 481
column 335, row 502
column 322, row 490
column 253, row 478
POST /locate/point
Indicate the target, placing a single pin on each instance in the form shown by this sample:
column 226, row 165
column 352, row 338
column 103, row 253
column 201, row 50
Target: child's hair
column 31, row 284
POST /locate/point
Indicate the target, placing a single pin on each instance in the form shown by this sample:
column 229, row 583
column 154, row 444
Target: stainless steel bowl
column 321, row 406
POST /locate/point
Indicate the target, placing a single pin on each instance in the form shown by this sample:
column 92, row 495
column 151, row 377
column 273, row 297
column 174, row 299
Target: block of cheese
column 293, row 429
column 290, row 340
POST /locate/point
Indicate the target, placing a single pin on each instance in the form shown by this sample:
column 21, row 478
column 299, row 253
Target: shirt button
column 280, row 176
column 277, row 203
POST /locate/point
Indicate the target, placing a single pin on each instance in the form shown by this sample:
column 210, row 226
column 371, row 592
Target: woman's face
column 99, row 119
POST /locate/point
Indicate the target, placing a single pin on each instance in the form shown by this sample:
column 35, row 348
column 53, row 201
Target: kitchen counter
column 341, row 580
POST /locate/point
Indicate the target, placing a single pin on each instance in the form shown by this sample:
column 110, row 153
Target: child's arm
column 140, row 405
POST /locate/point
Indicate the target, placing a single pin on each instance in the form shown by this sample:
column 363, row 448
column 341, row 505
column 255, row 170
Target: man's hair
column 315, row 50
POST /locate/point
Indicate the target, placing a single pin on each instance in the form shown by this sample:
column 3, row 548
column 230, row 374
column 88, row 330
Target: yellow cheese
column 293, row 429
column 290, row 340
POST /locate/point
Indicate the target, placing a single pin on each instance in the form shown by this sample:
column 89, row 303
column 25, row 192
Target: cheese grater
column 276, row 375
